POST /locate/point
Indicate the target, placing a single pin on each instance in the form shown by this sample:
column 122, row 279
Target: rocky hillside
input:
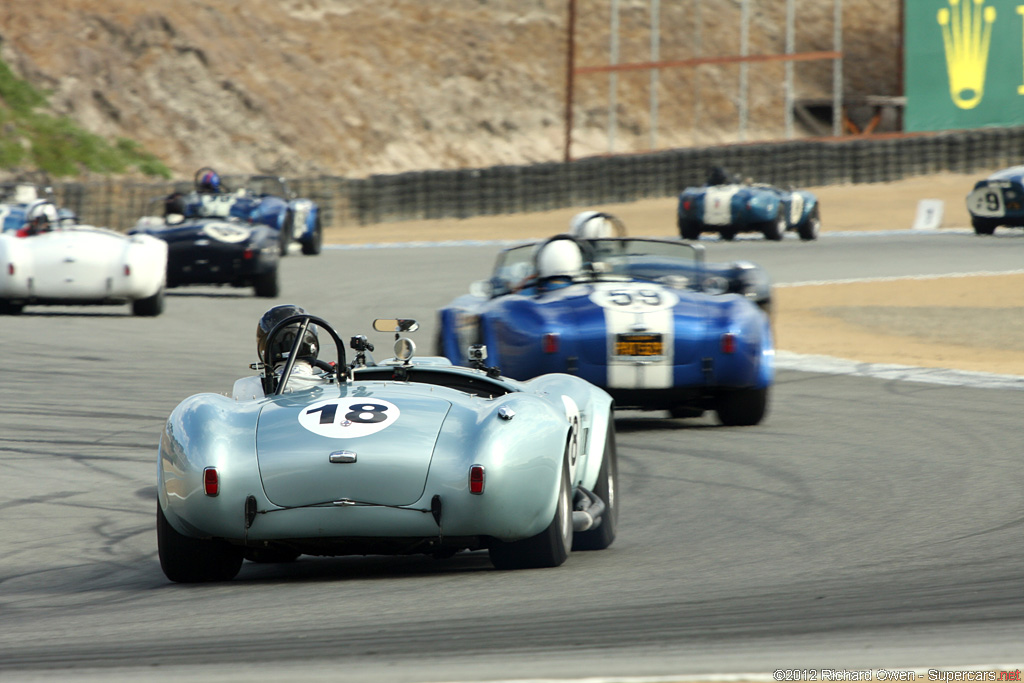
column 354, row 87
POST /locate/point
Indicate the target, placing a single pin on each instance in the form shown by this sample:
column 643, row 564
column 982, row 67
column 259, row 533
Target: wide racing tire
column 194, row 560
column 287, row 233
column 727, row 233
column 810, row 228
column 983, row 226
column 607, row 490
column 774, row 229
column 9, row 308
column 689, row 229
column 315, row 244
column 549, row 548
column 265, row 285
column 742, row 407
column 151, row 306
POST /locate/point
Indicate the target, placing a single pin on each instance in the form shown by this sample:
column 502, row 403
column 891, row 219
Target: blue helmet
column 210, row 182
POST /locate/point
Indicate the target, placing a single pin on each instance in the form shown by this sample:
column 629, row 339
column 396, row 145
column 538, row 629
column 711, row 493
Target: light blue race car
column 997, row 200
column 647, row 320
column 728, row 206
column 406, row 456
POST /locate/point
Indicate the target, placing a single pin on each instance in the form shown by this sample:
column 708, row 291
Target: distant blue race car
column 998, row 200
column 646, row 319
column 17, row 199
column 727, row 206
column 257, row 199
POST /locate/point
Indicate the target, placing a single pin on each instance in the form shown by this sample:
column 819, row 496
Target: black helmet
column 283, row 343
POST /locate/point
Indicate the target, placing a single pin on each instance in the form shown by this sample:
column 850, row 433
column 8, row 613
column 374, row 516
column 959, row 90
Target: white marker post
column 929, row 214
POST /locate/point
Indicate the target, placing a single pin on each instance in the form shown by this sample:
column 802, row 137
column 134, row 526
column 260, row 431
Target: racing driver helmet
column 309, row 347
column 209, row 182
column 559, row 257
column 41, row 218
column 592, row 225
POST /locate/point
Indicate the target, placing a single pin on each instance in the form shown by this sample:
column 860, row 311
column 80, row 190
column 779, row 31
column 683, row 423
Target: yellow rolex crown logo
column 966, row 34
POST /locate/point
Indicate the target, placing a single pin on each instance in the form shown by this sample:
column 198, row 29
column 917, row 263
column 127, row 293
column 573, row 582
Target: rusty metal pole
column 570, row 72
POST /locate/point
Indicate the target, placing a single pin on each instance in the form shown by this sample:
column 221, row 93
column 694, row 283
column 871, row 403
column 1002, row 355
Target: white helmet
column 590, row 225
column 42, row 211
column 559, row 258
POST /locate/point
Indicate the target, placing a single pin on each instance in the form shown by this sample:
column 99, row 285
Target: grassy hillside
column 32, row 138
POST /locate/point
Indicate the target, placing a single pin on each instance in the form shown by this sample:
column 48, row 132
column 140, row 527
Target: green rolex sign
column 964, row 64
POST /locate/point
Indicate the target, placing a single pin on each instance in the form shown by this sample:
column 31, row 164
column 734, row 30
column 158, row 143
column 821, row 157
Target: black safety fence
column 592, row 181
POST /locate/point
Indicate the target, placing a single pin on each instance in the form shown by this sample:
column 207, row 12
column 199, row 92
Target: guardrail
column 592, row 181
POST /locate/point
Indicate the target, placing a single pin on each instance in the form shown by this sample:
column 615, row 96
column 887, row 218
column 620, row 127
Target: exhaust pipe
column 587, row 510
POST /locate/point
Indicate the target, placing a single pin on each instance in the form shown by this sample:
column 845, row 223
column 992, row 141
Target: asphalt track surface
column 866, row 523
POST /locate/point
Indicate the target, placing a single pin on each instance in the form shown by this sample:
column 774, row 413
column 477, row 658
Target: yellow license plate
column 638, row 345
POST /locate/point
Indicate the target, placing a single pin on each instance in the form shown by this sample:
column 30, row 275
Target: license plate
column 638, row 345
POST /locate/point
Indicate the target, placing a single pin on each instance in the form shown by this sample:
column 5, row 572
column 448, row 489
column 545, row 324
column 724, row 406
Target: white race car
column 59, row 264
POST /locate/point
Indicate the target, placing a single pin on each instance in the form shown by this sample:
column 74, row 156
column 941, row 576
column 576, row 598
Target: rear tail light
column 248, row 254
column 476, row 479
column 211, row 481
column 687, row 204
column 728, row 343
column 127, row 270
column 10, row 269
column 550, row 343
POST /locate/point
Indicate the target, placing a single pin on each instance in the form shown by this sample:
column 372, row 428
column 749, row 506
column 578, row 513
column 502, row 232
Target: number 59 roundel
column 348, row 418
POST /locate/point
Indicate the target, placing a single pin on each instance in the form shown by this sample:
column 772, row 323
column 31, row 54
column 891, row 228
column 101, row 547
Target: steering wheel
column 271, row 384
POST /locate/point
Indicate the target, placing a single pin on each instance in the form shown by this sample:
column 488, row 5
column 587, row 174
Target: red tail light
column 211, row 481
column 687, row 204
column 476, row 479
column 127, row 270
column 551, row 343
column 10, row 269
column 248, row 254
column 728, row 343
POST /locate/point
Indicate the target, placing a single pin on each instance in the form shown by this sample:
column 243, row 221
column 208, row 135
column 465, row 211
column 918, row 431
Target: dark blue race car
column 997, row 200
column 645, row 319
column 257, row 200
column 728, row 206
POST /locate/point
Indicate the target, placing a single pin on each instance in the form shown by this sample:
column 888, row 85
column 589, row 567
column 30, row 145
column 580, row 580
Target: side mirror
column 395, row 325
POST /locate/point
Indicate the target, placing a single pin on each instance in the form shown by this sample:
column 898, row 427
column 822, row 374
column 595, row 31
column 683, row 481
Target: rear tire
column 266, row 286
column 9, row 308
column 315, row 244
column 727, row 233
column 809, row 229
column 690, row 230
column 607, row 490
column 983, row 226
column 194, row 560
column 287, row 232
column 549, row 548
column 742, row 407
column 150, row 306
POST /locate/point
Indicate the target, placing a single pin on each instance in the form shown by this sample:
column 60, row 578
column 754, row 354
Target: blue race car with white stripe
column 256, row 200
column 729, row 206
column 997, row 200
column 645, row 319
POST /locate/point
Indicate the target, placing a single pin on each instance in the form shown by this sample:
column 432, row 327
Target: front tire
column 549, row 548
column 742, row 407
column 194, row 560
column 607, row 490
column 983, row 226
